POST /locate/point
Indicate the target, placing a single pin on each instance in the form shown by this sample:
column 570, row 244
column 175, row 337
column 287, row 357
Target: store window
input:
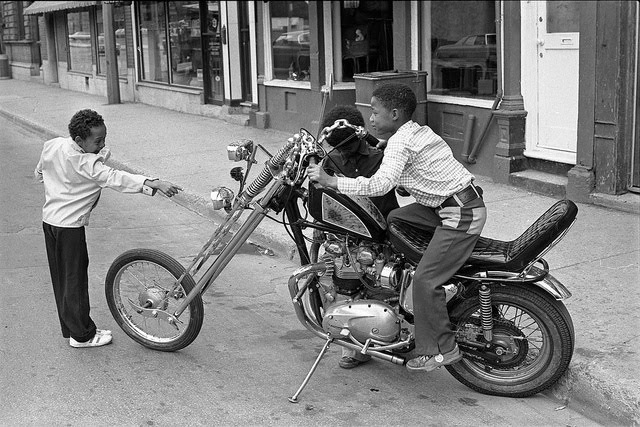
column 119, row 28
column 169, row 37
column 366, row 32
column 290, row 39
column 79, row 36
column 462, row 47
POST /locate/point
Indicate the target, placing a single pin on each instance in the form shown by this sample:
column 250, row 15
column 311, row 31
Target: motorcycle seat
column 493, row 254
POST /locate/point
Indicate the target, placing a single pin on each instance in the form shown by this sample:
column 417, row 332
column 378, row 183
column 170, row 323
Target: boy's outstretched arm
column 167, row 188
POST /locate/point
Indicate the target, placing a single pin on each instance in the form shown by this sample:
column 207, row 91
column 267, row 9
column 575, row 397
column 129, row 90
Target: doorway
column 212, row 65
column 550, row 58
column 245, row 49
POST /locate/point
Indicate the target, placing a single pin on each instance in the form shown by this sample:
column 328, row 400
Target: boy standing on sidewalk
column 73, row 172
column 419, row 160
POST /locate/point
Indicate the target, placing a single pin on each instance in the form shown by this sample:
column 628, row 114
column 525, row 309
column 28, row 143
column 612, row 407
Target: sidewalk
column 598, row 260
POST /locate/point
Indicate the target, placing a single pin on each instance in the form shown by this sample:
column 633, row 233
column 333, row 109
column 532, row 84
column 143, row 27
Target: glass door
column 212, row 39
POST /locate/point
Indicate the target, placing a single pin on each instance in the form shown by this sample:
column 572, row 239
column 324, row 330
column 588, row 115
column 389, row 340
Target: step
column 545, row 183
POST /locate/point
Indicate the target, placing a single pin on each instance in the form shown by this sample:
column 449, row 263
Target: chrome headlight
column 240, row 150
column 221, row 197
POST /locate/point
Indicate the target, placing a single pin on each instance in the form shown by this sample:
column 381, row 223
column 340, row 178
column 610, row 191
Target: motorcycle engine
column 359, row 283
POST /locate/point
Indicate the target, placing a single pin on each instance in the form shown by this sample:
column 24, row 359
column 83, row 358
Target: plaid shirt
column 420, row 161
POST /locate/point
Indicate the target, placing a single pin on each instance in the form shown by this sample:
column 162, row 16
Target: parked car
column 474, row 48
column 291, row 53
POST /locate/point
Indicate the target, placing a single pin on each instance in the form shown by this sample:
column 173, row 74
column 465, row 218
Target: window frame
column 93, row 45
column 121, row 54
column 269, row 75
column 139, row 61
column 425, row 62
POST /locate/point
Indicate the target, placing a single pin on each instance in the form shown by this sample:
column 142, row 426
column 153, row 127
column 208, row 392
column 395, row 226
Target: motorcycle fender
column 364, row 319
column 553, row 287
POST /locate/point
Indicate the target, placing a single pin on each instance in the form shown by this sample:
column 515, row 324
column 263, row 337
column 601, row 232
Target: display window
column 290, row 39
column 120, row 38
column 366, row 37
column 169, row 37
column 461, row 48
column 79, row 37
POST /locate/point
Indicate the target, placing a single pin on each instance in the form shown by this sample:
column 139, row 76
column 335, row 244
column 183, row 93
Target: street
column 251, row 354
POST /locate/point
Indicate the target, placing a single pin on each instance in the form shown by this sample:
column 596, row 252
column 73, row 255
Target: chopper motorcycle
column 354, row 286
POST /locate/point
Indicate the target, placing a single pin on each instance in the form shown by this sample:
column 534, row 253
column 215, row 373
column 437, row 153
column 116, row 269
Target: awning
column 52, row 6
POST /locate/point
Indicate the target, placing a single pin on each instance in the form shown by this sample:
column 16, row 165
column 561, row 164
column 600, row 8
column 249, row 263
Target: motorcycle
column 354, row 286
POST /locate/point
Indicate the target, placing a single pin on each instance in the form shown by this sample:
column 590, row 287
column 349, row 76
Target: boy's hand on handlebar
column 316, row 174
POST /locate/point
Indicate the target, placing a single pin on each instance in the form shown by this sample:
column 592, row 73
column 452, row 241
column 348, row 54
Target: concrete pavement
column 598, row 260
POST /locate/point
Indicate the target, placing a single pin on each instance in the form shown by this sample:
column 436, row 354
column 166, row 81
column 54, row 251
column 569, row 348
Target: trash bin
column 366, row 83
column 4, row 67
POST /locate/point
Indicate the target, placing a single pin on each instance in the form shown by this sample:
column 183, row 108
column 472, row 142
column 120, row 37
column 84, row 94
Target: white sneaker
column 98, row 340
column 103, row 331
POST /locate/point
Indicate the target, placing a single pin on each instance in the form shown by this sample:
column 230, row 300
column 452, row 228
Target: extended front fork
column 260, row 210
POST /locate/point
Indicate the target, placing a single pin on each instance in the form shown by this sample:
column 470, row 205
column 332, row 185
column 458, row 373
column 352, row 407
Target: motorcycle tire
column 540, row 327
column 147, row 277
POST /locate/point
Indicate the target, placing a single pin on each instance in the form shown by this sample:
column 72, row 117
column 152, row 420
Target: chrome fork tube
column 230, row 250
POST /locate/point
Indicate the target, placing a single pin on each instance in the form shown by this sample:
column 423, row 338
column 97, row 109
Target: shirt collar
column 363, row 149
column 74, row 146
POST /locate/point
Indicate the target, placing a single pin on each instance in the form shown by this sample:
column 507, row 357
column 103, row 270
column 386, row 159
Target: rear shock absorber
column 486, row 313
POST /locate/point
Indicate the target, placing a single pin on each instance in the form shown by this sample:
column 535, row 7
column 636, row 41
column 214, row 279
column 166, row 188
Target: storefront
column 193, row 56
column 549, row 87
column 517, row 89
column 306, row 45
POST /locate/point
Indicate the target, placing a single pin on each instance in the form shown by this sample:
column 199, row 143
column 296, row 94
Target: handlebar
column 301, row 150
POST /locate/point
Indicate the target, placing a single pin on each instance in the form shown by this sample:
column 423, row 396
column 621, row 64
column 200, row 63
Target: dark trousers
column 68, row 265
column 457, row 230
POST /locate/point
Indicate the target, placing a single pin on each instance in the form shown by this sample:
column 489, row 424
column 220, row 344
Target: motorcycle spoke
column 141, row 277
column 531, row 332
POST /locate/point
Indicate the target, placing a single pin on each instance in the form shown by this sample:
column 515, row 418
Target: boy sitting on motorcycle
column 352, row 157
column 419, row 160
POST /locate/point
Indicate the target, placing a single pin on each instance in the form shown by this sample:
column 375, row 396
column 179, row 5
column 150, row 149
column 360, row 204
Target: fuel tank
column 364, row 319
column 356, row 215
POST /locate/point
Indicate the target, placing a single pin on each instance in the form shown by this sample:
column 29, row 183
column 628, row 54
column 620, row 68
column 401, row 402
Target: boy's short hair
column 398, row 96
column 82, row 122
column 347, row 112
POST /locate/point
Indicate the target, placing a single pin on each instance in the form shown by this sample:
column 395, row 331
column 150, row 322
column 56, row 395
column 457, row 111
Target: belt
column 462, row 197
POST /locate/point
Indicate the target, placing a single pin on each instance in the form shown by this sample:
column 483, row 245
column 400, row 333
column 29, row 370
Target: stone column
column 581, row 178
column 511, row 115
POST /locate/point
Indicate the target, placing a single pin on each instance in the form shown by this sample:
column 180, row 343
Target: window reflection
column 367, row 42
column 153, row 42
column 184, row 37
column 79, row 42
column 290, row 39
column 170, row 39
column 120, row 40
column 463, row 48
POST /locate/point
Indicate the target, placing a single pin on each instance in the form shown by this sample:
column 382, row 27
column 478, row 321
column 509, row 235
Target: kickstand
column 294, row 398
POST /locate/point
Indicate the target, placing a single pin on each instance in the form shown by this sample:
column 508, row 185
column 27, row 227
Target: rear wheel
column 142, row 295
column 531, row 347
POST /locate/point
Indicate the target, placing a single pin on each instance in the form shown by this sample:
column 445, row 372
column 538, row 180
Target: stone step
column 536, row 181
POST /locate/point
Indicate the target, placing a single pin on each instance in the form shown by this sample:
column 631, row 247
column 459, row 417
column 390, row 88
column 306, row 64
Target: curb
column 261, row 237
column 608, row 404
column 578, row 386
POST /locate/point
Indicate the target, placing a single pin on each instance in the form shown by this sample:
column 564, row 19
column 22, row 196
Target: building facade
column 533, row 93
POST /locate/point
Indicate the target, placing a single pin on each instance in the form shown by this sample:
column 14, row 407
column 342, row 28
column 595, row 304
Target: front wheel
column 142, row 291
column 531, row 347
